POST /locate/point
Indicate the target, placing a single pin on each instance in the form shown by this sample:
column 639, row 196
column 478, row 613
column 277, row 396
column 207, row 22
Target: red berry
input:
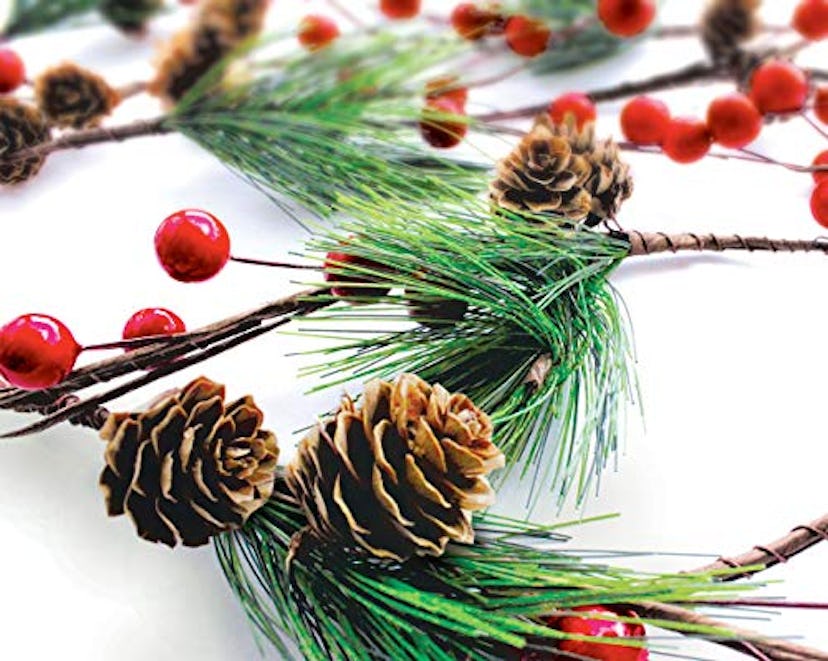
column 151, row 322
column 397, row 9
column 574, row 104
column 734, row 121
column 778, row 86
column 821, row 159
column 598, row 628
column 810, row 19
column 192, row 245
column 316, row 32
column 819, row 203
column 644, row 120
column 821, row 104
column 336, row 260
column 12, row 71
column 446, row 87
column 686, row 140
column 473, row 22
column 439, row 131
column 36, row 351
column 626, row 18
column 527, row 36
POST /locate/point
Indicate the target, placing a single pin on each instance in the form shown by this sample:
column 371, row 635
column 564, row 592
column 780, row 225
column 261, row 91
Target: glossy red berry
column 734, row 121
column 151, row 322
column 473, row 22
column 819, row 203
column 12, row 71
column 778, row 86
column 686, row 140
column 400, row 9
column 447, row 88
column 316, row 32
column 592, row 625
column 36, row 351
column 527, row 36
column 810, row 19
column 573, row 104
column 821, row 104
column 821, row 159
column 626, row 18
column 438, row 130
column 339, row 259
column 644, row 120
column 192, row 245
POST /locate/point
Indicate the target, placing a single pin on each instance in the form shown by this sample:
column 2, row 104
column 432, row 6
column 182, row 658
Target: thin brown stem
column 779, row 551
column 347, row 13
column 132, row 89
column 652, row 243
column 278, row 265
column 679, row 31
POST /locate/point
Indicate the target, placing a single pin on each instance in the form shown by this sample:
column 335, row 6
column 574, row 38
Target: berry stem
column 340, row 8
column 814, row 125
column 136, row 343
column 132, row 89
column 779, row 551
column 679, row 31
column 653, row 243
column 278, row 265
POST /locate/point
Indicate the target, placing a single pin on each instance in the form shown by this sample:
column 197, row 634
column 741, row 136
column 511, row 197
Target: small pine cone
column 190, row 467
column 726, row 25
column 560, row 170
column 22, row 126
column 400, row 475
column 130, row 16
column 219, row 27
column 73, row 97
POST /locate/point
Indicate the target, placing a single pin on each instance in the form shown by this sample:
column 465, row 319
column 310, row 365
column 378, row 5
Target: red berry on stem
column 821, row 104
column 810, row 19
column 192, row 245
column 819, row 203
column 151, row 322
column 778, row 86
column 686, row 140
column 644, row 120
column 473, row 22
column 398, row 9
column 821, row 159
column 626, row 18
column 12, row 71
column 36, row 351
column 574, row 104
column 592, row 625
column 447, row 88
column 316, row 32
column 527, row 36
column 440, row 131
column 734, row 121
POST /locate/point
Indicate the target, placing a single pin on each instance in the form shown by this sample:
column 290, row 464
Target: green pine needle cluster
column 30, row 16
column 543, row 346
column 332, row 122
column 478, row 602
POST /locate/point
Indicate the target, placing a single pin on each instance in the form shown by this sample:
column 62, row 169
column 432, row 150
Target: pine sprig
column 332, row 123
column 477, row 602
column 33, row 15
column 543, row 346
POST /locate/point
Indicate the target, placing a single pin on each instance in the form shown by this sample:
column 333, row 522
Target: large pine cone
column 73, row 97
column 726, row 25
column 561, row 170
column 400, row 475
column 131, row 16
column 219, row 27
column 22, row 126
column 190, row 467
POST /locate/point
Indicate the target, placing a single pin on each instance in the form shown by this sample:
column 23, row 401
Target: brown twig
column 132, row 89
column 680, row 31
column 651, row 243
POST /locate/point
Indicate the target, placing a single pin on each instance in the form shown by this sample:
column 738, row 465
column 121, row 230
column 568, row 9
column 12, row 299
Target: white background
column 730, row 356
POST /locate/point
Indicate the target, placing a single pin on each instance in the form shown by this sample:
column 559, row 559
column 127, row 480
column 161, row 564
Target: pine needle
column 331, row 123
column 33, row 15
column 537, row 296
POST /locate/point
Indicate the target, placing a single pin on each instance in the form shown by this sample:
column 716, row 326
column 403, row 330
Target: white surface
column 730, row 350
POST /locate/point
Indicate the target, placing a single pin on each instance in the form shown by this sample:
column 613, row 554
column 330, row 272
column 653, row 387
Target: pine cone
column 73, row 97
column 22, row 126
column 130, row 16
column 726, row 25
column 219, row 27
column 400, row 475
column 560, row 170
column 190, row 467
